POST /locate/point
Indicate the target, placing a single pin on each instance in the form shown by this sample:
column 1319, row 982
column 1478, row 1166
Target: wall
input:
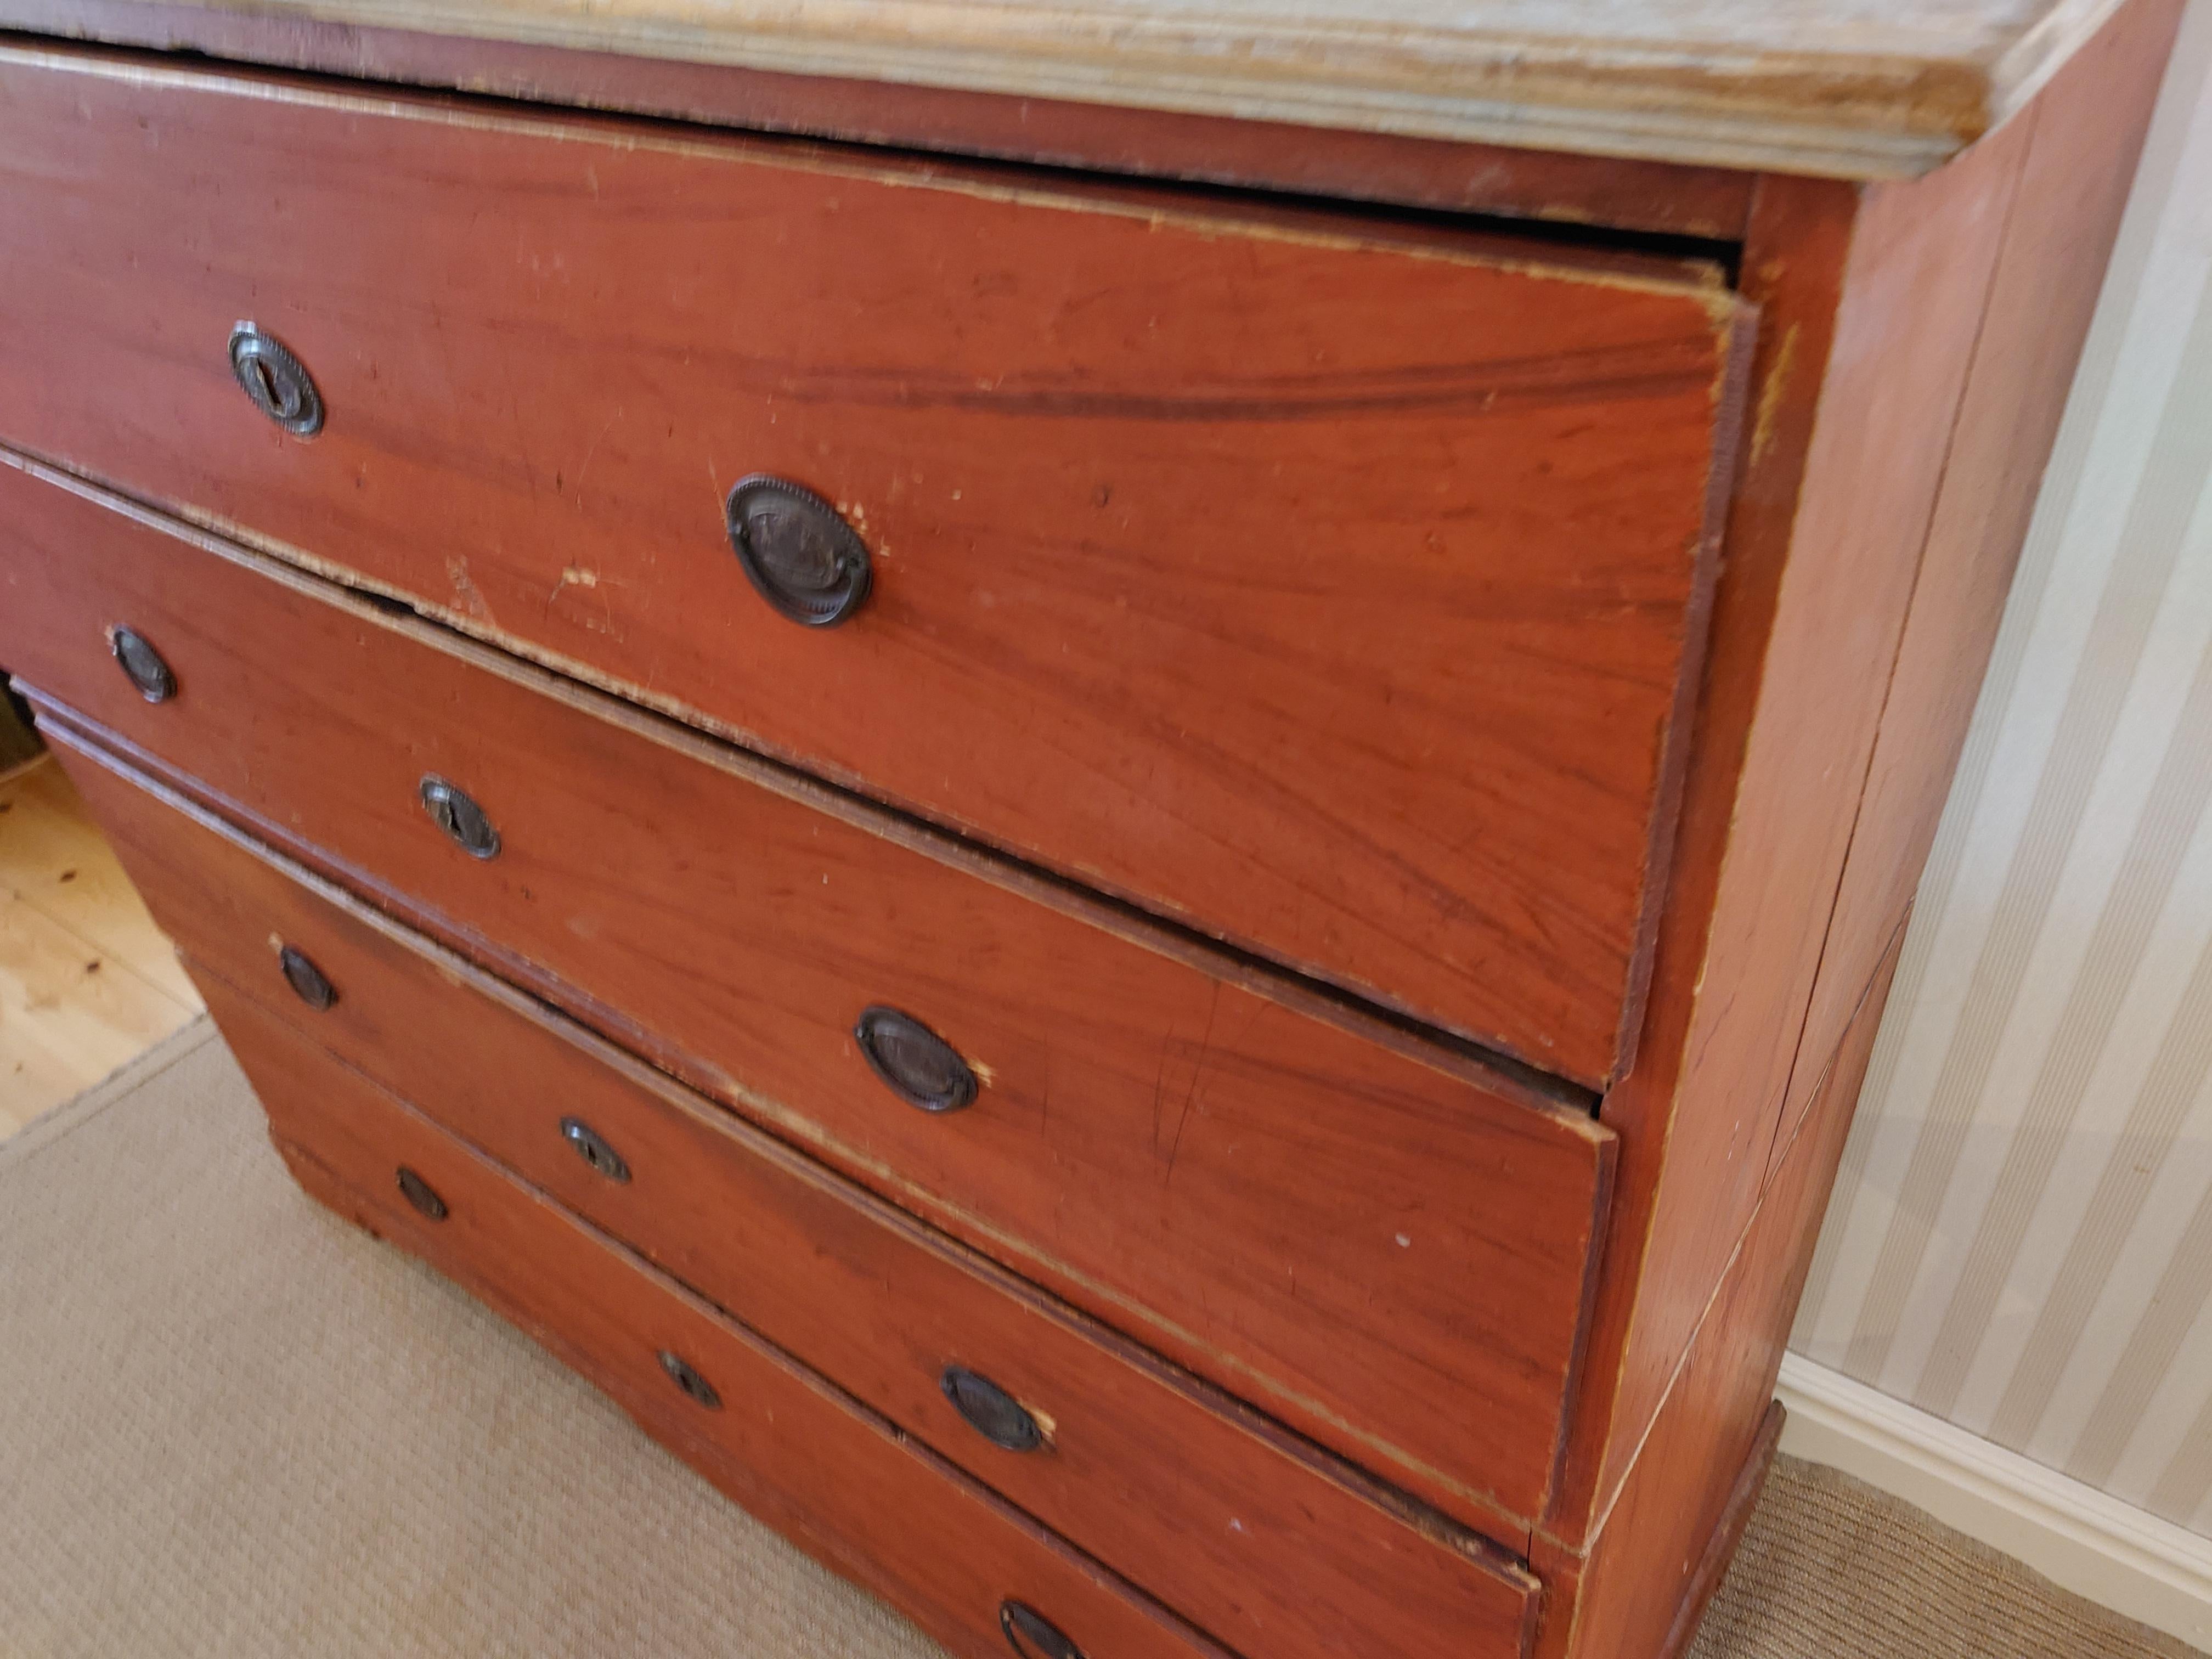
column 2021, row 1240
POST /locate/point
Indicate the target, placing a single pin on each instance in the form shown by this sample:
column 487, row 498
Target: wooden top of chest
column 1850, row 88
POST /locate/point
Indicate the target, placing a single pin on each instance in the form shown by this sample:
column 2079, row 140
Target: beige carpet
column 231, row 1425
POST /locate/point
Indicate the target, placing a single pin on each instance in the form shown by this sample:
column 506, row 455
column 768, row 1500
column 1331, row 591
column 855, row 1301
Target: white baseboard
column 2113, row 1554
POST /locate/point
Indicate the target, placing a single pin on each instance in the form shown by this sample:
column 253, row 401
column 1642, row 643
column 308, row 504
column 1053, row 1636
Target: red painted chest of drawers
column 1164, row 842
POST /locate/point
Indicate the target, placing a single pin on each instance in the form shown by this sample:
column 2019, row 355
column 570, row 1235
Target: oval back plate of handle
column 990, row 1410
column 142, row 665
column 798, row 550
column 920, row 1068
column 277, row 381
column 308, row 982
column 1032, row 1635
column 453, row 810
column 592, row 1146
column 420, row 1193
column 695, row 1388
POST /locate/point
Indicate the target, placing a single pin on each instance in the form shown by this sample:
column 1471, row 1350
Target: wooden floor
column 87, row 981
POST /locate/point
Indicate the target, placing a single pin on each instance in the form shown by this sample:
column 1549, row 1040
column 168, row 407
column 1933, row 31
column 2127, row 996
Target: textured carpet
column 230, row 1425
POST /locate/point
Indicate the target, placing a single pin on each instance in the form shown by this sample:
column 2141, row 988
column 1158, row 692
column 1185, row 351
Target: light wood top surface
column 1861, row 89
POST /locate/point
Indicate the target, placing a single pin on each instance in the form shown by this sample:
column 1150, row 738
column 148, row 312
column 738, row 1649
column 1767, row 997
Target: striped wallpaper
column 2021, row 1237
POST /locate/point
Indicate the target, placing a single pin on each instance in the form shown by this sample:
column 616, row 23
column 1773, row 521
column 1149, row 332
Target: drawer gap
column 1575, row 242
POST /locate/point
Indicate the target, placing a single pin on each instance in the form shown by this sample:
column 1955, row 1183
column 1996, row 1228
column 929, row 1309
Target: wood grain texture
column 1802, row 235
column 1886, row 300
column 54, row 859
column 1930, row 271
column 1354, row 1239
column 1266, row 1542
column 70, row 1015
column 1262, row 582
column 1877, row 89
column 87, row 980
column 1915, row 287
column 1710, row 204
column 1720, row 1547
column 1642, row 1582
column 1880, row 472
column 807, row 1459
column 2088, row 131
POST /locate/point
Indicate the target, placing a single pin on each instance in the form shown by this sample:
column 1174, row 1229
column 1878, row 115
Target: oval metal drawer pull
column 308, row 982
column 277, row 381
column 142, row 665
column 452, row 810
column 421, row 1194
column 797, row 551
column 990, row 1410
column 694, row 1387
column 1032, row 1635
column 921, row 1067
column 593, row 1148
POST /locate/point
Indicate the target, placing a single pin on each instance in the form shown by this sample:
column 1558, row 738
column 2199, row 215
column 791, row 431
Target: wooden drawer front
column 837, row 1479
column 1329, row 586
column 1273, row 1201
column 1268, row 1545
